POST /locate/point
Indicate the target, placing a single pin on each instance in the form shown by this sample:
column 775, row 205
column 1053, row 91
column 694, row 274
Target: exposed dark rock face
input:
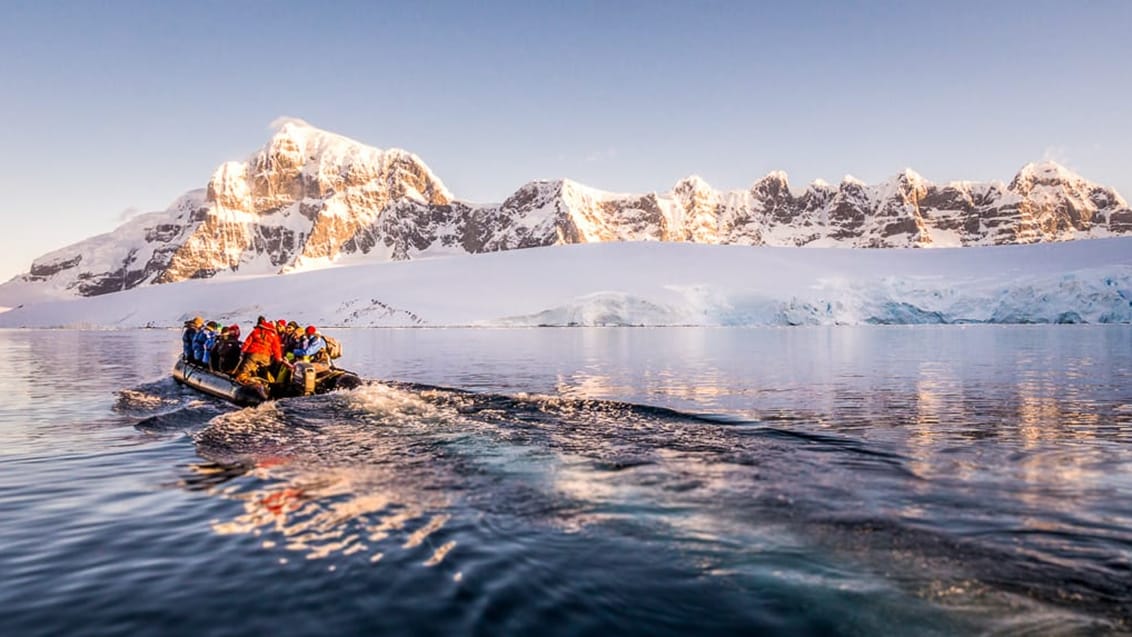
column 41, row 271
column 310, row 197
column 1120, row 221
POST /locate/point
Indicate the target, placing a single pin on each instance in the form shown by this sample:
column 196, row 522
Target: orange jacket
column 264, row 340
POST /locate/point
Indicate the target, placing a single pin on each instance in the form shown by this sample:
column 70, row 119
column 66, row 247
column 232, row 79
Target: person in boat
column 312, row 347
column 291, row 336
column 226, row 352
column 261, row 349
column 311, row 358
column 230, row 350
column 192, row 326
column 202, row 343
column 282, row 369
column 214, row 349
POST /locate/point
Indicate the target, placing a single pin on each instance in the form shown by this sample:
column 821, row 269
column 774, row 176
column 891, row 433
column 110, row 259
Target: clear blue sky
column 116, row 107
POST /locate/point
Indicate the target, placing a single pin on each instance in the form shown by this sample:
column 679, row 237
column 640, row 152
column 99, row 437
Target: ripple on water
column 961, row 481
column 389, row 475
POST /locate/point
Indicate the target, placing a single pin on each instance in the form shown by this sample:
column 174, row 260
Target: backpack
column 333, row 347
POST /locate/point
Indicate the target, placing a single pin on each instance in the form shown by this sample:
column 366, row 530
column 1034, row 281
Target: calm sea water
column 882, row 480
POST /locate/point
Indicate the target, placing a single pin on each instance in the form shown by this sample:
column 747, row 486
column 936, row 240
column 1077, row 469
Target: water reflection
column 391, row 468
column 329, row 514
column 324, row 476
column 975, row 474
column 322, row 513
column 59, row 386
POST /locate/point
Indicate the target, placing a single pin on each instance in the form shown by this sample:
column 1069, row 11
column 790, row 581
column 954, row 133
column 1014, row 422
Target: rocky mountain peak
column 297, row 138
column 566, row 187
column 1044, row 173
column 911, row 178
column 695, row 210
column 308, row 197
column 295, row 128
column 776, row 176
column 774, row 184
column 908, row 186
column 692, row 184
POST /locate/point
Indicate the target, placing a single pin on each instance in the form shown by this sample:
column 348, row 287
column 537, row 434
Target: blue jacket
column 187, row 337
column 202, row 345
column 310, row 345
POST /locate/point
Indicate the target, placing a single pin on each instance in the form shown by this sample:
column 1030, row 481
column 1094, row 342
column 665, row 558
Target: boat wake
column 400, row 473
column 164, row 407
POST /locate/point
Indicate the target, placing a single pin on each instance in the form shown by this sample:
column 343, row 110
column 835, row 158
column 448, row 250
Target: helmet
column 280, row 324
column 213, row 325
column 311, row 330
column 234, row 329
column 197, row 321
column 292, row 325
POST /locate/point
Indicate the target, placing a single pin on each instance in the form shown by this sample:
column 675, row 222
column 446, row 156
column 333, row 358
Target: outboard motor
column 305, row 377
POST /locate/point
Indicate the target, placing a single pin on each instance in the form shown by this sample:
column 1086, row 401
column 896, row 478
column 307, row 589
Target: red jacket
column 264, row 340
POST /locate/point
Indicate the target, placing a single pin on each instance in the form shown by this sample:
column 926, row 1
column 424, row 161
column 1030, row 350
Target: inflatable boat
column 222, row 386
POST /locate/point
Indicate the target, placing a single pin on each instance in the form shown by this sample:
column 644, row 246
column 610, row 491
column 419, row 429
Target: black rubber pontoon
column 222, row 386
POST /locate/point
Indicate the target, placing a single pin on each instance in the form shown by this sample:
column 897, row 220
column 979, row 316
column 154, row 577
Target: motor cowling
column 305, row 377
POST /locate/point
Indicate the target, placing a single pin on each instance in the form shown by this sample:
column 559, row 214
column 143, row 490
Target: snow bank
column 648, row 284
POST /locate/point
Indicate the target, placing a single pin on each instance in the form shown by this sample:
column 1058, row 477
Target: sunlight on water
column 332, row 486
column 599, row 463
column 958, row 481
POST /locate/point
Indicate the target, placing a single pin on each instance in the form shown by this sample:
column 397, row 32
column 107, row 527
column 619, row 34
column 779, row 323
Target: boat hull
column 222, row 386
column 202, row 379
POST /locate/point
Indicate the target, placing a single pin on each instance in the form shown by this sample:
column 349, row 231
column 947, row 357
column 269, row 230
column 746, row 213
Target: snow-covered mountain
column 648, row 283
column 304, row 199
column 310, row 198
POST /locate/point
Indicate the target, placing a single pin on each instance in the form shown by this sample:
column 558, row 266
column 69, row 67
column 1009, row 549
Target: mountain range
column 310, row 199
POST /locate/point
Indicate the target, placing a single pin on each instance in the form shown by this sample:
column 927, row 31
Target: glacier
column 645, row 284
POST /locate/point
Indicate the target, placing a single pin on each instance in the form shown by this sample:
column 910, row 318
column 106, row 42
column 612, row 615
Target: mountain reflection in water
column 388, row 466
column 928, row 481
